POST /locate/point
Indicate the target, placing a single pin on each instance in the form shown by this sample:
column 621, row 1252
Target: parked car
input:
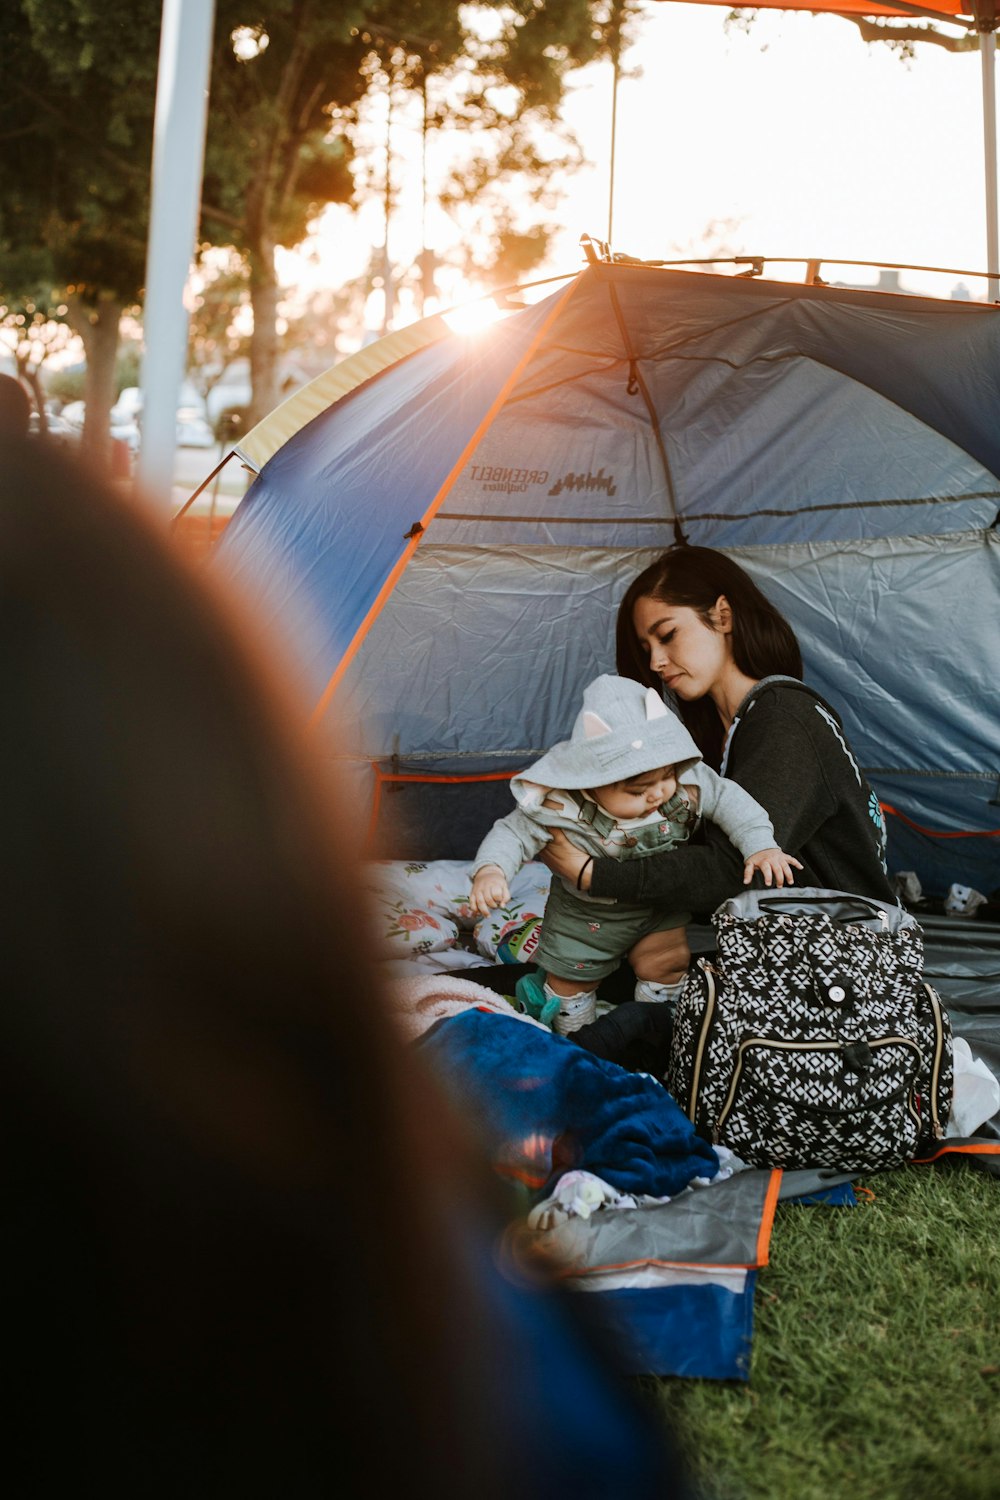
column 126, row 431
column 68, row 427
column 128, row 406
column 192, row 429
column 232, row 390
column 56, row 428
column 73, row 413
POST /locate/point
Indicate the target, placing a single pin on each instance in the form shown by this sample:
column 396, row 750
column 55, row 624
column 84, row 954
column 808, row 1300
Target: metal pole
column 616, row 54
column 423, row 192
column 178, row 154
column 387, row 263
column 987, row 56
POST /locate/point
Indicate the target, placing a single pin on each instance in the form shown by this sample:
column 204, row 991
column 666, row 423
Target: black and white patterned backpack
column 811, row 1039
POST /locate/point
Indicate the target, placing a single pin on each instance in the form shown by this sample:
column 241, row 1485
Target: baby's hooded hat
column 622, row 730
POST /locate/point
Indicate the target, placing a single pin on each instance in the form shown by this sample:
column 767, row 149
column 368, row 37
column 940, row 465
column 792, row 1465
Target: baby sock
column 564, row 1013
column 574, row 1010
column 660, row 994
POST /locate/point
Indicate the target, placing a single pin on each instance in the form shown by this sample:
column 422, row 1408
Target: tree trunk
column 97, row 324
column 264, row 341
column 29, row 373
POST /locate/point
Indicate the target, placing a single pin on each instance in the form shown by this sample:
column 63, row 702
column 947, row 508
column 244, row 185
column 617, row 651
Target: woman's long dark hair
column 231, row 1259
column 764, row 643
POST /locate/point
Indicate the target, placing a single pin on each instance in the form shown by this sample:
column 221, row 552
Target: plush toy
column 533, row 1000
column 517, row 941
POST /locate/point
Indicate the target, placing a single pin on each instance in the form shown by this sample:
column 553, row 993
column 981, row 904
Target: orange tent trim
column 421, row 528
column 937, row 833
column 383, row 776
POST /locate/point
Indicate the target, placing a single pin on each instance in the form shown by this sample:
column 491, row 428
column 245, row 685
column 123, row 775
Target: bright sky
column 793, row 139
column 813, row 142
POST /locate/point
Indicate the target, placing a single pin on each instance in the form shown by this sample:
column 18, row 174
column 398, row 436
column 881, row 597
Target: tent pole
column 987, row 54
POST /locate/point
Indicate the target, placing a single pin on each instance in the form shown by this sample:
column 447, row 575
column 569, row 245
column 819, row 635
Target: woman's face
column 690, row 657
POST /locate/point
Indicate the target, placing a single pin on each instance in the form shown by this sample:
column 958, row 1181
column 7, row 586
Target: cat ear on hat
column 655, row 706
column 594, row 727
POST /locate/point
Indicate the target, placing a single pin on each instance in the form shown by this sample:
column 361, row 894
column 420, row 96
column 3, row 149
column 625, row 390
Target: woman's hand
column 565, row 859
column 773, row 864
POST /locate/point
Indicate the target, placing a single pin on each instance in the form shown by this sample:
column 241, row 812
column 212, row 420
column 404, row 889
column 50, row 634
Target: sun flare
column 472, row 317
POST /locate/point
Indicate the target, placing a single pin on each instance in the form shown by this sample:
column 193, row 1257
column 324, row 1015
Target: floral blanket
column 425, row 924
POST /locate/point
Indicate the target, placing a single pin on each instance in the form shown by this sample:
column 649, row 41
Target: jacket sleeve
column 775, row 760
column 510, row 843
column 781, row 764
column 731, row 808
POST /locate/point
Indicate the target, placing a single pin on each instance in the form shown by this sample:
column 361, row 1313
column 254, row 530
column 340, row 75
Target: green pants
column 587, row 940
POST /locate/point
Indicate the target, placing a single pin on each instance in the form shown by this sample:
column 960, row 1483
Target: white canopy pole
column 178, row 155
column 617, row 19
column 614, row 131
column 987, row 55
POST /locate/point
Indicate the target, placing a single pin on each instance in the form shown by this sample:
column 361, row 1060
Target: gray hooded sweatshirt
column 622, row 731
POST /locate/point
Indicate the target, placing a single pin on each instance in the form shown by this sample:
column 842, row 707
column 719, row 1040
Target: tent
column 441, row 546
column 441, row 530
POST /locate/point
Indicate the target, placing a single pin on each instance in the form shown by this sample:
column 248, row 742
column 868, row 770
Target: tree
column 76, row 130
column 32, row 329
column 215, row 335
column 900, row 34
column 288, row 79
column 903, row 35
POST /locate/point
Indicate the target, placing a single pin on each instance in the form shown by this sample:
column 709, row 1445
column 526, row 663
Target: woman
column 696, row 623
column 245, row 1249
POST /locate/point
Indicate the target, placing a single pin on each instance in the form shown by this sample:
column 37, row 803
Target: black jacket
column 789, row 751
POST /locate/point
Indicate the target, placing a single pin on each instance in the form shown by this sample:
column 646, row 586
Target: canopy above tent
column 958, row 12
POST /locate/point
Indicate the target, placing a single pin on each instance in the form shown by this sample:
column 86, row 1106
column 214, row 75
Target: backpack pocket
column 850, row 1106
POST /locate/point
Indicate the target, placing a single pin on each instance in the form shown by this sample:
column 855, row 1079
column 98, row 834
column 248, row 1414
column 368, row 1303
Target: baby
column 628, row 783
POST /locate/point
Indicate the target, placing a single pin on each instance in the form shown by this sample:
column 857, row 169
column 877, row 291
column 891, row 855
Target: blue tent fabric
column 332, row 500
column 843, row 445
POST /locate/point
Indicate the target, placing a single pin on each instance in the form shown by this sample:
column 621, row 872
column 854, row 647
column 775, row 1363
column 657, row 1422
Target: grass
column 875, row 1371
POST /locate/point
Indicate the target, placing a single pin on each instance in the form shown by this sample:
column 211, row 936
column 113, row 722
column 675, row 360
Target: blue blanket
column 545, row 1106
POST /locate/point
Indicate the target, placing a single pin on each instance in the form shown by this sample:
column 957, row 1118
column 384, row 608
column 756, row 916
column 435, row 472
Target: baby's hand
column 773, row 864
column 489, row 889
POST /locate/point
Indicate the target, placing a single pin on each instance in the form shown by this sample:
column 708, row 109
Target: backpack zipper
column 757, row 1041
column 936, row 1068
column 699, row 1054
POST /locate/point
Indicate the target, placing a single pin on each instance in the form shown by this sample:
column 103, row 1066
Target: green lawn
column 876, row 1357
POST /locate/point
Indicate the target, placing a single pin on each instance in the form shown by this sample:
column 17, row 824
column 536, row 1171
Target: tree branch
column 873, row 31
column 70, row 124
column 219, row 216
